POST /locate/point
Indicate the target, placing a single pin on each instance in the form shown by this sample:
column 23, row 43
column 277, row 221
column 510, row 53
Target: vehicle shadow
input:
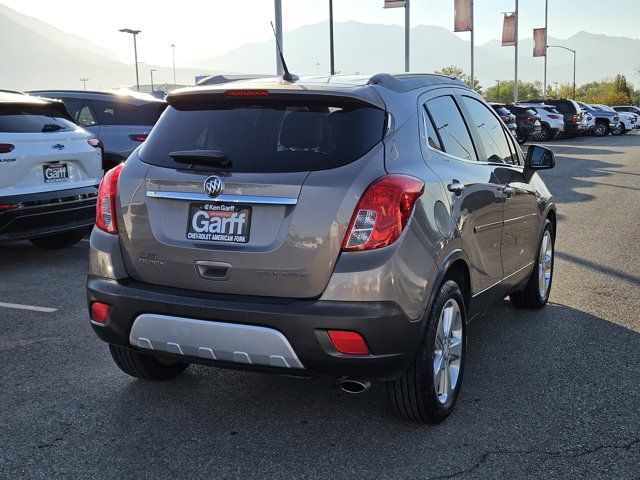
column 551, row 382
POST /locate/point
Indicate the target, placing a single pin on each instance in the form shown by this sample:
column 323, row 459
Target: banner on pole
column 393, row 3
column 539, row 42
column 509, row 30
column 462, row 16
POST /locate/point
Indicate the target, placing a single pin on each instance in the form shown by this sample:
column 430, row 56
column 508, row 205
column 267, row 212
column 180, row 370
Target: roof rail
column 410, row 81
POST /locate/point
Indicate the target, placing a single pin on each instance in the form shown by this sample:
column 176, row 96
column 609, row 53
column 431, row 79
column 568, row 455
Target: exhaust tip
column 353, row 385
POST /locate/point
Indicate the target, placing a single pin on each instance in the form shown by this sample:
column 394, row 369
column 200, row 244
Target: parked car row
column 545, row 120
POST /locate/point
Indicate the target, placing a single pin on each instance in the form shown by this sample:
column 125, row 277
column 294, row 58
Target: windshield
column 29, row 118
column 269, row 137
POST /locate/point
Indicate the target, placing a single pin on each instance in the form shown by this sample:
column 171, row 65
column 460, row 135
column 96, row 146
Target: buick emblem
column 213, row 186
column 58, row 146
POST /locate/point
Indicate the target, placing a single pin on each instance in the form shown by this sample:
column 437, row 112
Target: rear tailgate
column 276, row 227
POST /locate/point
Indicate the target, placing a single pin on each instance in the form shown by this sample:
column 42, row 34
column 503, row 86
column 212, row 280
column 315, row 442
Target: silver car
column 347, row 227
column 122, row 120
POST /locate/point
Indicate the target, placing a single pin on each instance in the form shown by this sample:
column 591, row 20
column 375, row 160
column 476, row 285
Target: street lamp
column 574, row 65
column 498, row 99
column 151, row 72
column 84, row 81
column 173, row 58
column 135, row 51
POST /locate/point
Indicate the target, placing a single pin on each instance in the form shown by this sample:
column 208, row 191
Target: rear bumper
column 392, row 338
column 44, row 213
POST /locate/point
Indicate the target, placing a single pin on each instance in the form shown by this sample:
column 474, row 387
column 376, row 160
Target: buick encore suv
column 347, row 227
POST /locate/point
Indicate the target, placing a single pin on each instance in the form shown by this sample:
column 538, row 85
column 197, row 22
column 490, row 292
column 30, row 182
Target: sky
column 207, row 28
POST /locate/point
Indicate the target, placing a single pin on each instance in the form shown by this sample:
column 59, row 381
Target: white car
column 629, row 109
column 551, row 120
column 49, row 172
column 628, row 120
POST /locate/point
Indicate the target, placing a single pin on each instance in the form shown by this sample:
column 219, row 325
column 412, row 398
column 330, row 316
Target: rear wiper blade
column 51, row 127
column 202, row 157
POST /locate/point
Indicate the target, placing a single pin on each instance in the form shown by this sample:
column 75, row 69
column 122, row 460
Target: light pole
column 546, row 45
column 498, row 99
column 407, row 27
column 173, row 59
column 317, row 68
column 135, row 51
column 151, row 72
column 574, row 65
column 333, row 66
column 515, row 83
column 84, row 83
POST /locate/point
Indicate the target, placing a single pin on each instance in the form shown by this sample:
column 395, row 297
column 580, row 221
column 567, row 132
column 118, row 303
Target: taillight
column 382, row 212
column 139, row 137
column 106, row 205
column 528, row 119
column 8, row 206
column 576, row 118
column 96, row 143
column 351, row 343
column 554, row 116
column 504, row 118
column 6, row 147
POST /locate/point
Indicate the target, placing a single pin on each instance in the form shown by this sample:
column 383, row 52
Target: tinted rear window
column 16, row 118
column 121, row 113
column 502, row 111
column 269, row 137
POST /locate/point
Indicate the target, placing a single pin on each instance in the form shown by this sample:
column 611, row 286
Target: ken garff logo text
column 213, row 186
column 58, row 146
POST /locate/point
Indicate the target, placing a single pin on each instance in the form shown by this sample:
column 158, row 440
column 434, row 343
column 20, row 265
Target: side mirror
column 539, row 158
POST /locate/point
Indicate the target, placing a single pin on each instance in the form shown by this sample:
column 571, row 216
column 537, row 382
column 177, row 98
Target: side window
column 85, row 117
column 494, row 141
column 451, row 128
column 432, row 139
column 73, row 107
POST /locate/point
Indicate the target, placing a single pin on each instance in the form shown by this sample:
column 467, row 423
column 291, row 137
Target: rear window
column 268, row 137
column 502, row 111
column 26, row 118
column 121, row 113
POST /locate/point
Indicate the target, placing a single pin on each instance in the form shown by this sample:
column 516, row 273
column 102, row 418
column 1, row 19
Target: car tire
column 619, row 130
column 601, row 129
column 415, row 395
column 59, row 240
column 545, row 134
column 534, row 295
column 145, row 366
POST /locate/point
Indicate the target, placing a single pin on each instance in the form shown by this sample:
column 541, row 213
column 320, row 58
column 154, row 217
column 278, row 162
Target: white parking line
column 33, row 308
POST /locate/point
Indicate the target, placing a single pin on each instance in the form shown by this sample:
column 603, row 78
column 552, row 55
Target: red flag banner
column 462, row 21
column 539, row 42
column 509, row 30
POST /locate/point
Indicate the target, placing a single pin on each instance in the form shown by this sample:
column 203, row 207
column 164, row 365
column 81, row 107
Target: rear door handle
column 455, row 186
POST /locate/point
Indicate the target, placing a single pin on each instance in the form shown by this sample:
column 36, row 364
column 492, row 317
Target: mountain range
column 36, row 55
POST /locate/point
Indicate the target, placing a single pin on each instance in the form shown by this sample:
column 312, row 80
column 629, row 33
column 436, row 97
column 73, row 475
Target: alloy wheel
column 447, row 352
column 545, row 264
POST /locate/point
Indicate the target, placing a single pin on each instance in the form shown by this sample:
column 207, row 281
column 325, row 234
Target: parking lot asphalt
column 546, row 394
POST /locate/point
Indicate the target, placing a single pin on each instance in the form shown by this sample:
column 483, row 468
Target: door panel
column 477, row 208
column 522, row 224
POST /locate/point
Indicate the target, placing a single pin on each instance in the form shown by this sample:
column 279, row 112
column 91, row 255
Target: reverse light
column 382, row 212
column 351, row 343
column 6, row 147
column 99, row 312
column 247, row 93
column 106, row 204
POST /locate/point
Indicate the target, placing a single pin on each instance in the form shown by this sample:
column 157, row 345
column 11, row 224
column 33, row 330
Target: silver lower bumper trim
column 227, row 342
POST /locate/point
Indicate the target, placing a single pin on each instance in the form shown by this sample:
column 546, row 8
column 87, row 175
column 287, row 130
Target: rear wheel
column 536, row 293
column 145, row 366
column 59, row 240
column 428, row 390
column 545, row 134
column 601, row 129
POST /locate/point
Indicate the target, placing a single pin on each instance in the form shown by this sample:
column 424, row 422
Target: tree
column 526, row 91
column 457, row 72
